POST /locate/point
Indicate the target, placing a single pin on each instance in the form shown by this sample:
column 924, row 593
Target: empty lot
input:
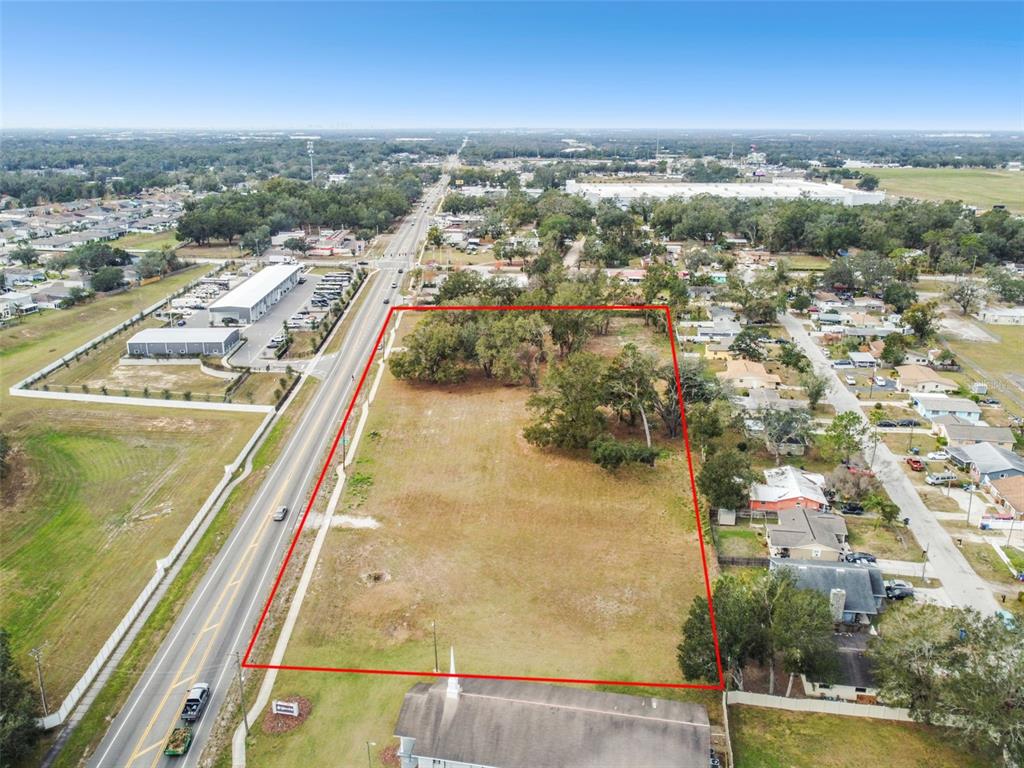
column 531, row 563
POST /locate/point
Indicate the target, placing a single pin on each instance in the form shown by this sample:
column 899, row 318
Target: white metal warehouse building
column 253, row 299
column 183, row 342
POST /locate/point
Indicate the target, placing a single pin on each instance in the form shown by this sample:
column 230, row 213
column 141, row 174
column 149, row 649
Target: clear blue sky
column 334, row 66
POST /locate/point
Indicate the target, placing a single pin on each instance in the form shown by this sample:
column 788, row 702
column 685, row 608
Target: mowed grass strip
column 772, row 738
column 97, row 495
column 980, row 187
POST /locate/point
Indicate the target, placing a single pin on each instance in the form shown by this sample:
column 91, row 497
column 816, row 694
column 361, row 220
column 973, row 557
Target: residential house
column 719, row 350
column 806, row 534
column 855, row 681
column 825, row 300
column 855, row 592
column 918, row 378
column 933, row 406
column 868, row 304
column 474, row 723
column 959, row 433
column 747, row 374
column 1008, row 494
column 1002, row 315
column 787, row 487
column 863, row 360
column 758, row 399
column 987, row 463
column 15, row 303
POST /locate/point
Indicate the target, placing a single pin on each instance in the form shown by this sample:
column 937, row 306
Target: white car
column 937, row 456
column 879, row 381
column 850, row 380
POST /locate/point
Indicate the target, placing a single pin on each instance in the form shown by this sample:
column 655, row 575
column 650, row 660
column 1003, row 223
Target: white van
column 941, row 478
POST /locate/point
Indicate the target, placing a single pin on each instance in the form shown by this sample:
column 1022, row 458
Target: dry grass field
column 531, row 562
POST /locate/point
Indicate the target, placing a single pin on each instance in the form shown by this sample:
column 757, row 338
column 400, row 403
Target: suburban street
column 220, row 616
column 962, row 585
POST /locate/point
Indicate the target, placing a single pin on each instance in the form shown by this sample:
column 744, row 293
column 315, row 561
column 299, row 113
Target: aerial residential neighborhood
column 605, row 385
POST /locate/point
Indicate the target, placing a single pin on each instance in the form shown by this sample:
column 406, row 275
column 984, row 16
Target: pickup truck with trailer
column 179, row 742
column 195, row 702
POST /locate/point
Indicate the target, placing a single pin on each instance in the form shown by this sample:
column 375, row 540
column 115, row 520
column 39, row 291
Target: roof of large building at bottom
column 510, row 724
column 180, row 335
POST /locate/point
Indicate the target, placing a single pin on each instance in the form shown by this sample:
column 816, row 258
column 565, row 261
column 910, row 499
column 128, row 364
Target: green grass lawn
column 888, row 543
column 980, row 187
column 146, row 241
column 987, row 564
column 741, row 541
column 96, row 493
column 771, row 738
column 531, row 562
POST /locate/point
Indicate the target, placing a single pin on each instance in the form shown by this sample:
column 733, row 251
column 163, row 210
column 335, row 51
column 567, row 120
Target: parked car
column 850, row 380
column 195, row 702
column 937, row 456
column 851, row 508
column 886, row 423
column 898, row 590
column 908, row 423
column 915, row 464
column 281, row 514
column 843, row 364
column 879, row 381
column 860, row 558
column 990, row 401
column 940, row 478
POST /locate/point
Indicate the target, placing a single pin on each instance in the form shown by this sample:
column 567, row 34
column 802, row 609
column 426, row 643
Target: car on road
column 896, row 589
column 394, row 285
column 915, row 463
column 195, row 702
column 860, row 558
column 884, row 423
column 281, row 514
column 940, row 478
column 908, row 423
column 937, row 456
column 850, row 380
column 879, row 381
column 387, row 300
column 400, row 270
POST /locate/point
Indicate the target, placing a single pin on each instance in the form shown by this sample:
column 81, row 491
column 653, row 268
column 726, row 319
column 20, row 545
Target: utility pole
column 925, row 563
column 241, row 693
column 37, row 654
column 309, row 151
column 433, row 627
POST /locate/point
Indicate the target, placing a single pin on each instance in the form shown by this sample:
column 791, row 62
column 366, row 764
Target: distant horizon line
column 952, row 131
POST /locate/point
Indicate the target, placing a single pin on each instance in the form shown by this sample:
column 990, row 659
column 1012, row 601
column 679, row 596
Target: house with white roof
column 933, row 406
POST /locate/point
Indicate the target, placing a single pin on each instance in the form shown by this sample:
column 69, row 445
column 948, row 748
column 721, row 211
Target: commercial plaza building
column 780, row 189
column 183, row 342
column 252, row 299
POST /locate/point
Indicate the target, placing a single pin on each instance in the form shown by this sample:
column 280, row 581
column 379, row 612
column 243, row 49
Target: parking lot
column 254, row 352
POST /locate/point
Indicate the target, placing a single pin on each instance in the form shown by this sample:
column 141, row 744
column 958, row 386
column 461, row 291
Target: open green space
column 531, row 562
column 146, row 241
column 896, row 543
column 979, row 187
column 987, row 563
column 772, row 738
column 95, row 496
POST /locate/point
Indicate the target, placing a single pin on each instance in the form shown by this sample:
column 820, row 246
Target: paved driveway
column 961, row 584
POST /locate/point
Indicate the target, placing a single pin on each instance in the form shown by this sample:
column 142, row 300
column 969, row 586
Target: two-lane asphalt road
column 219, row 618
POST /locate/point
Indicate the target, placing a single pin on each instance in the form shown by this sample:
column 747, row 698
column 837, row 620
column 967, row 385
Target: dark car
column 898, row 590
column 908, row 423
column 887, row 423
column 851, row 508
column 990, row 401
column 861, row 558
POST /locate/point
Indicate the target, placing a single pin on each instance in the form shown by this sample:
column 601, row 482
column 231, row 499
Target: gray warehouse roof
column 524, row 725
column 255, row 289
column 179, row 335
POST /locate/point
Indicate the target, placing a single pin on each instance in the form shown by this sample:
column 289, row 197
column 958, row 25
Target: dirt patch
column 283, row 723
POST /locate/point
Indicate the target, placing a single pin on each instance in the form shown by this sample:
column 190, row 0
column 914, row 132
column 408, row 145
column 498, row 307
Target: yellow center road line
column 150, row 748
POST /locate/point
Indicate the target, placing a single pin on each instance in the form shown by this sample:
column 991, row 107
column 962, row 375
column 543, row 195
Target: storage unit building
column 252, row 299
column 183, row 342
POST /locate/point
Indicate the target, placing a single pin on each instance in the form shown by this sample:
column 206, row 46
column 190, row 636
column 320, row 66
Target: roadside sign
column 289, row 708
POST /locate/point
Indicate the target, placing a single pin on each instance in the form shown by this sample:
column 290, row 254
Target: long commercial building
column 183, row 342
column 781, row 189
column 252, row 299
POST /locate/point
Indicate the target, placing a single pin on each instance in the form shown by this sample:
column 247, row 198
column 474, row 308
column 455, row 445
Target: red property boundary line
column 337, row 438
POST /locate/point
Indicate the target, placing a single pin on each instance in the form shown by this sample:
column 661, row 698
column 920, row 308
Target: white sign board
column 290, row 708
